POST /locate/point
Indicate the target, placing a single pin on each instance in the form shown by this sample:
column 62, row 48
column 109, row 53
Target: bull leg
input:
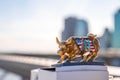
column 87, row 57
column 61, row 54
column 70, row 56
column 94, row 56
column 84, row 59
column 61, row 59
column 91, row 56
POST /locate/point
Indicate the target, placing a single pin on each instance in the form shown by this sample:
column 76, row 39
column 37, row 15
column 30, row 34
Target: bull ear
column 70, row 41
column 95, row 35
column 57, row 41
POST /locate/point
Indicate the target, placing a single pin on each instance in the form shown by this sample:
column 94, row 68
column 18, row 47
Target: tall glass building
column 105, row 40
column 81, row 28
column 70, row 24
column 74, row 27
column 116, row 34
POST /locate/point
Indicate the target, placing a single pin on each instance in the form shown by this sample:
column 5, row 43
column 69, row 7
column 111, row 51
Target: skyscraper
column 105, row 40
column 69, row 27
column 116, row 34
column 81, row 28
column 74, row 27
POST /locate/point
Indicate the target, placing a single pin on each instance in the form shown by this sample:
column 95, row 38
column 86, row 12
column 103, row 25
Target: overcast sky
column 32, row 25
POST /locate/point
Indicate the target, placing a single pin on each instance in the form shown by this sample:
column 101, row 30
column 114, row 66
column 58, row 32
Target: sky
column 33, row 25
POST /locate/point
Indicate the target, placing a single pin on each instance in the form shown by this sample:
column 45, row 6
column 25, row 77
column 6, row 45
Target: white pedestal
column 78, row 72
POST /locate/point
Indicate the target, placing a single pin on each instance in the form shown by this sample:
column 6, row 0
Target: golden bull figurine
column 85, row 47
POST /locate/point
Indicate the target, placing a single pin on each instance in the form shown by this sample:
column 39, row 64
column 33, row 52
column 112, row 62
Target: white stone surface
column 81, row 72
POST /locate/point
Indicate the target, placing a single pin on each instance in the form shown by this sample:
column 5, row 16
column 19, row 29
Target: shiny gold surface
column 69, row 49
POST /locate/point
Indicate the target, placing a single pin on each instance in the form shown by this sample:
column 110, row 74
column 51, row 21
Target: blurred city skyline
column 31, row 26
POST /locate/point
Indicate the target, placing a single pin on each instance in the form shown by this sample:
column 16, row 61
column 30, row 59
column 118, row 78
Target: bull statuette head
column 63, row 44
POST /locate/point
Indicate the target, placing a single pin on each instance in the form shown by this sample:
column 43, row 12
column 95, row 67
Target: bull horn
column 57, row 41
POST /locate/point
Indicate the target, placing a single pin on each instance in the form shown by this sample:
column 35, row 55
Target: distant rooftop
column 119, row 10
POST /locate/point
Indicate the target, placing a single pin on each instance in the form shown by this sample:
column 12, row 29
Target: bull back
column 84, row 44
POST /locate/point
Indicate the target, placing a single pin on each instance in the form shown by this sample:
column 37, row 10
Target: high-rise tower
column 70, row 24
column 74, row 27
column 116, row 34
column 81, row 28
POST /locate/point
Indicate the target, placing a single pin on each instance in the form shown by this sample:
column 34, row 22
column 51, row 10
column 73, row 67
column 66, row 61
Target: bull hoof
column 59, row 61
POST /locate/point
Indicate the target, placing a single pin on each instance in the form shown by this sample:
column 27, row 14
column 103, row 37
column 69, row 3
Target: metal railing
column 23, row 64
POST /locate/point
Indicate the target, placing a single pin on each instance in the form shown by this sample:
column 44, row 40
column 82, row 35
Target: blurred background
column 28, row 29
